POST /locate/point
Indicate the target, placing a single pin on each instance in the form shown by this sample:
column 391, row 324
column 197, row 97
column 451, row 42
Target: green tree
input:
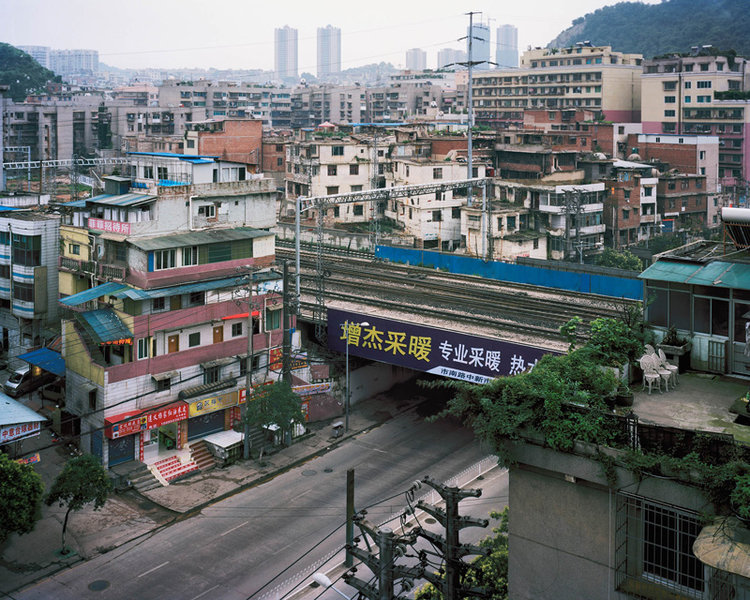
column 21, row 492
column 619, row 260
column 22, row 73
column 274, row 404
column 489, row 572
column 83, row 480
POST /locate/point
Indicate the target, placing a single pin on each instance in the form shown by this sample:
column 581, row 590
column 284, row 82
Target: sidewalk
column 130, row 515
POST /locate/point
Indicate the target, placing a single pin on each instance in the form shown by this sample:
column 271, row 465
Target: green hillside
column 21, row 72
column 671, row 26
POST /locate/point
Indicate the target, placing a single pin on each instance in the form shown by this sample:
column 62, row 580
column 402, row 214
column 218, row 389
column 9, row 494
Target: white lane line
column 204, row 593
column 370, row 447
column 154, row 569
column 233, row 528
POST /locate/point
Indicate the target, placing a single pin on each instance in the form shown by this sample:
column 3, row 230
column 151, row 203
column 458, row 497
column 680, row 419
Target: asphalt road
column 247, row 545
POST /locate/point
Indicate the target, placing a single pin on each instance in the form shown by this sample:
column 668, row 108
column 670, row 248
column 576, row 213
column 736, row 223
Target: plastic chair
column 665, row 374
column 673, row 369
column 649, row 349
column 650, row 374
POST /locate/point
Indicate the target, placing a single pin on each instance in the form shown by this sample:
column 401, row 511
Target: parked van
column 22, row 381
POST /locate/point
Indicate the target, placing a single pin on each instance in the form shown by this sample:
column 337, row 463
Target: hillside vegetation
column 671, row 26
column 22, row 73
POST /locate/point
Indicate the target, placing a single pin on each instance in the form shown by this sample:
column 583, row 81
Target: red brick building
column 682, row 202
column 237, row 140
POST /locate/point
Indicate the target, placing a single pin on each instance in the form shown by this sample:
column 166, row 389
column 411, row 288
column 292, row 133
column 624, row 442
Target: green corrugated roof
column 716, row 273
column 197, row 238
column 665, row 270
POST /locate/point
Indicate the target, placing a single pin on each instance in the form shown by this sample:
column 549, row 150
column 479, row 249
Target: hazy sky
column 239, row 33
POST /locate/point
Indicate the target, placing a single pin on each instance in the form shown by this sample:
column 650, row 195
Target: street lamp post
column 323, row 581
column 347, row 325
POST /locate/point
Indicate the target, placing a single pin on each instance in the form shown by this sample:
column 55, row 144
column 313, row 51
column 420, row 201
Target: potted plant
column 624, row 395
column 676, row 347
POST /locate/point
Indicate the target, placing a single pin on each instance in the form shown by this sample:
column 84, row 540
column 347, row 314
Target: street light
column 347, row 325
column 323, row 581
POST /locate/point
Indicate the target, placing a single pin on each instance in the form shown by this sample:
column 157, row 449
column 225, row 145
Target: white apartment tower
column 450, row 58
column 416, row 59
column 39, row 53
column 285, row 53
column 480, row 45
column 329, row 51
column 506, row 54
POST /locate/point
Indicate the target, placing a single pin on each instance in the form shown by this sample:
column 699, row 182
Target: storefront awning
column 163, row 376
column 206, row 388
column 47, row 359
column 107, row 328
column 132, row 421
column 188, row 288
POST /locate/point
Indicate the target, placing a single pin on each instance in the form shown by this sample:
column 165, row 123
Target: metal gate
column 96, row 444
column 203, row 425
column 122, row 450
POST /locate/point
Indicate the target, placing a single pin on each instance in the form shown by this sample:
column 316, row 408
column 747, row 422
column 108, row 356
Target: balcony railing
column 113, row 272
column 72, row 264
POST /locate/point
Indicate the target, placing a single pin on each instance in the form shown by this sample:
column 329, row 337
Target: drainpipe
column 190, row 212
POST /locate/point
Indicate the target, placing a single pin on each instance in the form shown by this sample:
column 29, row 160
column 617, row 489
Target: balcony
column 113, row 272
column 77, row 266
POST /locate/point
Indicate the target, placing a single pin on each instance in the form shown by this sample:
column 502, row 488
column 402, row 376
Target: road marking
column 154, row 569
column 204, row 593
column 233, row 528
column 370, row 447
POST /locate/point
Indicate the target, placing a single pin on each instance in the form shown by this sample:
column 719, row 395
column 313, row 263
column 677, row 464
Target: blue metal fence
column 590, row 283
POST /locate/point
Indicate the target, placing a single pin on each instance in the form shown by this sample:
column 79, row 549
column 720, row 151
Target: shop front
column 139, row 435
column 213, row 414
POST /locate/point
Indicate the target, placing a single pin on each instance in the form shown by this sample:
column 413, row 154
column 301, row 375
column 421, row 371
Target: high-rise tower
column 329, row 51
column 480, row 45
column 506, row 54
column 285, row 53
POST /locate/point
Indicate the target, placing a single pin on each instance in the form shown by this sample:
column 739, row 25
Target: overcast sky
column 239, row 33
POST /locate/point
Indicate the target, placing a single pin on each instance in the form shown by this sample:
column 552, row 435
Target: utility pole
column 452, row 549
column 286, row 344
column 248, row 367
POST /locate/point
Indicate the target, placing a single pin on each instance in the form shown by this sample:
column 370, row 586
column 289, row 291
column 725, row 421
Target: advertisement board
column 422, row 348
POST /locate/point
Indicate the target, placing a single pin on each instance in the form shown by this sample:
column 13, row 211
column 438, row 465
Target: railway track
column 356, row 278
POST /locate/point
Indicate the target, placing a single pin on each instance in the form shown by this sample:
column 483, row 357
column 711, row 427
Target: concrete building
column 480, row 45
column 74, row 62
column 581, row 77
column 329, row 51
column 704, row 93
column 235, row 140
column 285, row 53
column 416, row 59
column 313, row 105
column 29, row 246
column 450, row 58
column 506, row 54
column 40, row 54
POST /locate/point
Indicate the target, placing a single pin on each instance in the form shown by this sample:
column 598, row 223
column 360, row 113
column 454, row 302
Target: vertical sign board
column 438, row 351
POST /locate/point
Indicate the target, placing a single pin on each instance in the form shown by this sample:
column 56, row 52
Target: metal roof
column 106, row 326
column 716, row 273
column 130, row 199
column 108, row 288
column 12, row 412
column 198, row 238
column 175, row 155
column 47, row 359
column 199, row 286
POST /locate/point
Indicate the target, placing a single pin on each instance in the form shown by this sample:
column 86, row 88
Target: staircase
column 201, row 456
column 171, row 469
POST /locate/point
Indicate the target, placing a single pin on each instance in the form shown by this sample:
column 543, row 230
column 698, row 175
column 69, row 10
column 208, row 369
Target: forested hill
column 22, row 73
column 671, row 26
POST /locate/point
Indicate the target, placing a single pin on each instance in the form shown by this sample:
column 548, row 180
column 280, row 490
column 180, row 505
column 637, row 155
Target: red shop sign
column 121, row 425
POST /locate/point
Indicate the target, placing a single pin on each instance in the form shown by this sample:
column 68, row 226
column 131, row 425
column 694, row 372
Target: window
column 704, row 99
column 92, row 399
column 627, row 195
column 688, row 85
column 687, row 68
column 273, row 319
column 353, row 169
column 207, row 210
column 211, row 375
column 143, row 345
column 648, row 191
column 703, row 85
column 162, row 385
column 23, row 291
column 669, row 99
column 189, row 256
column 27, row 250
column 148, row 172
column 670, row 86
column 655, row 548
column 337, row 151
column 356, row 188
column 332, row 190
column 669, row 113
column 191, row 143
column 5, row 271
column 437, row 173
column 332, row 170
column 358, row 210
column 511, row 222
column 194, row 339
column 164, row 259
column 158, row 304
column 162, row 173
column 236, row 329
column 437, row 215
column 456, row 212
column 279, row 162
column 74, row 249
column 625, row 214
column 197, row 298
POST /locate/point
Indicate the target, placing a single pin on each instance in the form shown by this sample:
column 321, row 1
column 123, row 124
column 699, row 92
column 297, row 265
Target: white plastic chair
column 650, row 374
column 673, row 369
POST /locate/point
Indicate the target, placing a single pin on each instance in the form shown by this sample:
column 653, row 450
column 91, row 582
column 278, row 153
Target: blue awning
column 105, row 289
column 106, row 327
column 188, row 288
column 47, row 359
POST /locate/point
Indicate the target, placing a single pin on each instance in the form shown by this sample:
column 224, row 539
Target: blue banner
column 439, row 351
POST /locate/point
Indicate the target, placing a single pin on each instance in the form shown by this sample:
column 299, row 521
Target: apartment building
column 593, row 77
column 329, row 51
column 313, row 105
column 236, row 140
column 156, row 351
column 683, row 202
column 704, row 93
column 285, row 53
column 630, row 206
